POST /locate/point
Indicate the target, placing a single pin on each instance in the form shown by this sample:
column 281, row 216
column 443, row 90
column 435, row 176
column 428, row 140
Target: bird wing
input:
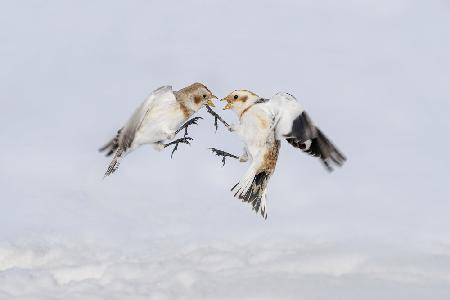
column 125, row 136
column 162, row 94
column 298, row 129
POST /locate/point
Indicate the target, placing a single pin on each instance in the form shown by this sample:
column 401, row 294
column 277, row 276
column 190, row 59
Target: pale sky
column 374, row 76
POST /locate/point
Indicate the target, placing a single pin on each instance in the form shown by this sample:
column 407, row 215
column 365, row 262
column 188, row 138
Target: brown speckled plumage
column 271, row 157
column 250, row 92
column 191, row 88
column 186, row 111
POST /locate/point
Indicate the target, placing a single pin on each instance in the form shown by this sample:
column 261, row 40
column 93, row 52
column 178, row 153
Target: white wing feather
column 128, row 133
column 286, row 107
column 299, row 130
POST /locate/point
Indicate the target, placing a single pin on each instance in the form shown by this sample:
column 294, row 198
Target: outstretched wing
column 134, row 123
column 299, row 130
column 125, row 136
column 252, row 187
column 310, row 139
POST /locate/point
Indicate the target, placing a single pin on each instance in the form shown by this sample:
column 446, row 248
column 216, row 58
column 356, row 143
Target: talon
column 185, row 126
column 223, row 154
column 184, row 140
column 216, row 118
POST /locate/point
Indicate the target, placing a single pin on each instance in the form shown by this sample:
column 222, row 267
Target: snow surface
column 288, row 270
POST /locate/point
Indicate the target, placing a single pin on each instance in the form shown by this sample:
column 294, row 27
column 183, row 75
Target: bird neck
column 243, row 111
column 185, row 103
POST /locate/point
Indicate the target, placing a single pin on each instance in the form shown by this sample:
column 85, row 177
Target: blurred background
column 374, row 76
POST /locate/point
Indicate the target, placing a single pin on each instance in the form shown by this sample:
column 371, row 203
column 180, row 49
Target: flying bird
column 157, row 121
column 263, row 123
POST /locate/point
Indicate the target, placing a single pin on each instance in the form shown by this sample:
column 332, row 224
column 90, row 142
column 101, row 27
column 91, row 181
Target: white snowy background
column 375, row 76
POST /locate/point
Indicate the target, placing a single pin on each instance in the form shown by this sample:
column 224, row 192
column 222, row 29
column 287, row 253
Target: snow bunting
column 263, row 123
column 157, row 120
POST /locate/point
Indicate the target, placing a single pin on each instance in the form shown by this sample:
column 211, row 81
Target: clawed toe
column 216, row 118
column 224, row 154
column 183, row 140
column 194, row 120
column 185, row 126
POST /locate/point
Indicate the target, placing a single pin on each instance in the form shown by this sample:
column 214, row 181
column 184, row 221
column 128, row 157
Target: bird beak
column 210, row 103
column 228, row 106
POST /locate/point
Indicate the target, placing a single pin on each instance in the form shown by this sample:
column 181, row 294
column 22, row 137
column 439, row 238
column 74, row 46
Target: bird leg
column 185, row 126
column 223, row 154
column 244, row 157
column 216, row 117
column 184, row 140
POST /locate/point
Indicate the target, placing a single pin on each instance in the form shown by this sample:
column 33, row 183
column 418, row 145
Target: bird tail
column 112, row 145
column 114, row 165
column 252, row 189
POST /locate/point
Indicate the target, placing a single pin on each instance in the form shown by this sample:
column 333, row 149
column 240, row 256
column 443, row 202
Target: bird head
column 199, row 95
column 239, row 100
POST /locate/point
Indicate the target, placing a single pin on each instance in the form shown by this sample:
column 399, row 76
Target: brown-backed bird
column 157, row 120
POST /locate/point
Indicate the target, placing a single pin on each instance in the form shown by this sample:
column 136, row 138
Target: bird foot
column 185, row 126
column 184, row 140
column 223, row 154
column 216, row 118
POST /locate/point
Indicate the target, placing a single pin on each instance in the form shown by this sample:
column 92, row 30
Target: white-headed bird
column 157, row 120
column 263, row 124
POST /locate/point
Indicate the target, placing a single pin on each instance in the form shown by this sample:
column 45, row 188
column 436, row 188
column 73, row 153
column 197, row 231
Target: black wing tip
column 320, row 147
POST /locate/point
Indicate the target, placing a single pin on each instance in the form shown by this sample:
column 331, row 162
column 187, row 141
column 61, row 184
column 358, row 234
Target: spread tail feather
column 112, row 145
column 114, row 165
column 263, row 208
column 252, row 189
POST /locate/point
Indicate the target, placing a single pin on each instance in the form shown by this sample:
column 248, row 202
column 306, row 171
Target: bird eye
column 204, row 96
column 235, row 97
